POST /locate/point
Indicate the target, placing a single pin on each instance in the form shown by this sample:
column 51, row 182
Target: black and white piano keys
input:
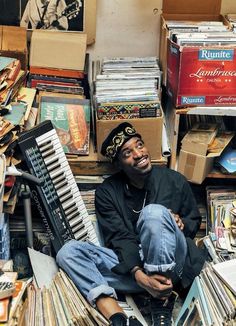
column 48, row 161
column 65, row 185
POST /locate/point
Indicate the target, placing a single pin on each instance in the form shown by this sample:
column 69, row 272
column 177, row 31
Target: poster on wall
column 65, row 15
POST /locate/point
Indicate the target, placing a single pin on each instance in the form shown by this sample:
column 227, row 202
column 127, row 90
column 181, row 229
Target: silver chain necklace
column 144, row 202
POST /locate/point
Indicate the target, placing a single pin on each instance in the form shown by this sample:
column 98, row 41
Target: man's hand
column 178, row 220
column 157, row 285
column 57, row 25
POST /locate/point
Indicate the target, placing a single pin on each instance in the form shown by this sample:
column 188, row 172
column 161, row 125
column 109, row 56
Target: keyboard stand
column 25, row 195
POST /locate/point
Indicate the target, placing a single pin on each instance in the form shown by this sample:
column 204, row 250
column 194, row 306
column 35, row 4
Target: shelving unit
column 173, row 120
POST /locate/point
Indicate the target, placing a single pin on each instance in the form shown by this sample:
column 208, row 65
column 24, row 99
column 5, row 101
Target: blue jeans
column 163, row 250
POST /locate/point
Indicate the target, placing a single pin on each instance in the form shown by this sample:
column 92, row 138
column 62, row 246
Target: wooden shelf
column 173, row 120
column 208, row 110
column 218, row 175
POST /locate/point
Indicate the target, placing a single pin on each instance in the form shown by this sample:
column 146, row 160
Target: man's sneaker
column 133, row 321
column 119, row 319
column 161, row 310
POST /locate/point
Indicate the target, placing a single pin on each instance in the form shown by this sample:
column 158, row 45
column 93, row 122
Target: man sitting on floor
column 148, row 218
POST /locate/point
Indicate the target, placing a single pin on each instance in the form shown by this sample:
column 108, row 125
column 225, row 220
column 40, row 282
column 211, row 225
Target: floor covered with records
column 212, row 297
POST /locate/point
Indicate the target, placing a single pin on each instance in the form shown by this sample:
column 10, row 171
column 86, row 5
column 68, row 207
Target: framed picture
column 65, row 15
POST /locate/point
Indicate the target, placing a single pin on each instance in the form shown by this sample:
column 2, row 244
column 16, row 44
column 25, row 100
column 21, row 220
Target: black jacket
column 164, row 186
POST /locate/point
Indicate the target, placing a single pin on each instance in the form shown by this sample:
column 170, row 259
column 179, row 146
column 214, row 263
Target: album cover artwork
column 43, row 14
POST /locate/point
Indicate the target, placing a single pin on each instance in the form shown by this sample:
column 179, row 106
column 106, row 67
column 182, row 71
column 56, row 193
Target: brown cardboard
column 90, row 20
column 13, row 43
column 60, row 50
column 195, row 167
column 149, row 128
column 14, row 38
column 185, row 10
column 194, row 147
column 199, row 7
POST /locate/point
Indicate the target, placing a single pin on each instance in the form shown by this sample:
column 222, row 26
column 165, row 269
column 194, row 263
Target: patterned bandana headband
column 116, row 139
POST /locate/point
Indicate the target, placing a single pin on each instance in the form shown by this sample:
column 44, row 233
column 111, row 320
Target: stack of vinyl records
column 219, row 297
column 61, row 304
column 51, row 70
column 48, row 80
column 88, row 196
column 221, row 202
column 211, row 299
column 128, row 87
column 209, row 33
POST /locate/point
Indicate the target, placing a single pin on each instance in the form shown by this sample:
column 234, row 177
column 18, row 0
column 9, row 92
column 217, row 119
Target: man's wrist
column 135, row 269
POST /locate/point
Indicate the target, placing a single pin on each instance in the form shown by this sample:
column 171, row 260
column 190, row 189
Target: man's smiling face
column 134, row 158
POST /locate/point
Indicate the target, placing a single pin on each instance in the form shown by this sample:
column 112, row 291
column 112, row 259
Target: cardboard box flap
column 194, row 147
column 14, row 39
column 191, row 7
column 218, row 145
column 199, row 137
column 53, row 49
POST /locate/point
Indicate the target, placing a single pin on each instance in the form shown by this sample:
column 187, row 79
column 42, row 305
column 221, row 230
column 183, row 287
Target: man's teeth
column 142, row 161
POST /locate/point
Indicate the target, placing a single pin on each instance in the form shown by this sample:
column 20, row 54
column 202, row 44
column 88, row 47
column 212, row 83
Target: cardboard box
column 194, row 167
column 206, row 10
column 194, row 161
column 201, row 76
column 60, row 50
column 13, row 43
column 149, row 128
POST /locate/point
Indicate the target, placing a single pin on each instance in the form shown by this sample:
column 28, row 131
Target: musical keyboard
column 58, row 199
